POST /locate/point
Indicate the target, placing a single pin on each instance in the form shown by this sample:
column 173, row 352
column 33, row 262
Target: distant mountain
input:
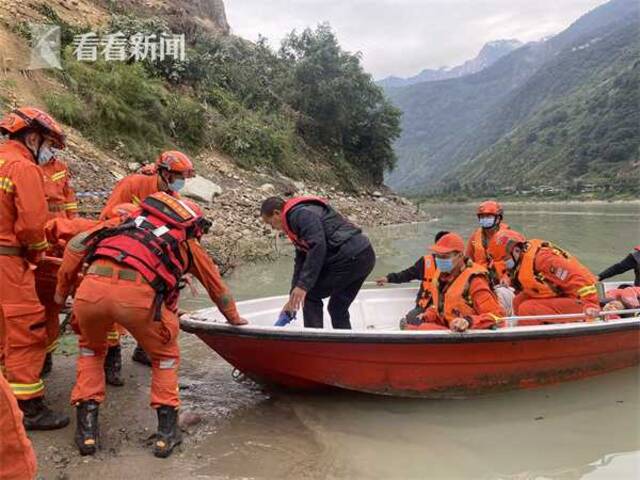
column 489, row 54
column 549, row 113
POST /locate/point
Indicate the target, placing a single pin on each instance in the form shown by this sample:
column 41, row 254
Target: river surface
column 587, row 429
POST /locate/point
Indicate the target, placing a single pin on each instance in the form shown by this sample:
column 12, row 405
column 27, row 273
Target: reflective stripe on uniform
column 166, row 364
column 588, row 290
column 58, row 175
column 113, row 335
column 27, row 388
column 71, row 206
column 87, row 352
column 135, row 200
column 495, row 318
column 6, row 184
column 39, row 246
column 53, row 346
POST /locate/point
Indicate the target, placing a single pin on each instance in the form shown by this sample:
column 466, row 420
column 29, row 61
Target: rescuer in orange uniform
column 17, row 459
column 422, row 270
column 58, row 232
column 490, row 216
column 33, row 136
column 61, row 198
column 459, row 293
column 169, row 174
column 547, row 279
column 134, row 275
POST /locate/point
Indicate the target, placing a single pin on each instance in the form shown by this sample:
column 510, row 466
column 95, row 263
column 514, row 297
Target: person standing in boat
column 630, row 262
column 458, row 291
column 333, row 257
column 422, row 270
column 547, row 279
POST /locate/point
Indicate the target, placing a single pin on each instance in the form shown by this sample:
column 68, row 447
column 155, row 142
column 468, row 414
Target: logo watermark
column 45, row 47
column 117, row 47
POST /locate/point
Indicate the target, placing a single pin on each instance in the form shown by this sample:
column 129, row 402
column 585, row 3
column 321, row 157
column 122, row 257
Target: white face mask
column 45, row 153
column 487, row 222
column 177, row 184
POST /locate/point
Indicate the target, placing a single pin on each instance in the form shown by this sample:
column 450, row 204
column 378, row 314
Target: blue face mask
column 445, row 265
column 487, row 222
column 510, row 264
column 177, row 184
column 45, row 154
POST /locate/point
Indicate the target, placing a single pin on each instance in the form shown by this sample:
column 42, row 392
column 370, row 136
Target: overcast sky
column 401, row 37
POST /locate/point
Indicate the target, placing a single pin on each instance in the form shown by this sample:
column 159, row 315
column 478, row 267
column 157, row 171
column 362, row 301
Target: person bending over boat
column 630, row 262
column 421, row 270
column 333, row 257
column 547, row 279
column 459, row 295
column 134, row 275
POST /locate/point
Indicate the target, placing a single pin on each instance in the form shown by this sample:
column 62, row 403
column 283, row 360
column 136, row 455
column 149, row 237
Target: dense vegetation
column 553, row 117
column 306, row 109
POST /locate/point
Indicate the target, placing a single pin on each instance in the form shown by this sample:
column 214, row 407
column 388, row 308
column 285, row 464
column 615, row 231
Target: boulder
column 377, row 194
column 267, row 188
column 199, row 188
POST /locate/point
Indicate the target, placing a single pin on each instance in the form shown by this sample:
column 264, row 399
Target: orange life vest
column 427, row 274
column 456, row 300
column 532, row 282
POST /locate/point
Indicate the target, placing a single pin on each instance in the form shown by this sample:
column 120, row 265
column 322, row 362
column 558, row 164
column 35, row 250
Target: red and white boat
column 377, row 357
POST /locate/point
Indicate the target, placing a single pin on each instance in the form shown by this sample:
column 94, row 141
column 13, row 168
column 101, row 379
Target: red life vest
column 150, row 244
column 288, row 206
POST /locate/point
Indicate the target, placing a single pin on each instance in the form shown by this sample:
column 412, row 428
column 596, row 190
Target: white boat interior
column 375, row 310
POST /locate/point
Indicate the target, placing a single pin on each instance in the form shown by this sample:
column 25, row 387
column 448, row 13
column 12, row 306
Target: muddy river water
column 587, row 429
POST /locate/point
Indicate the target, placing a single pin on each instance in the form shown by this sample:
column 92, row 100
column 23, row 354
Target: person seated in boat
column 630, row 262
column 333, row 257
column 459, row 295
column 421, row 270
column 134, row 275
column 548, row 280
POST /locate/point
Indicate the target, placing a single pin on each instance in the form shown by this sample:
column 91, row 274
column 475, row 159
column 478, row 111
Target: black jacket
column 415, row 272
column 630, row 262
column 330, row 238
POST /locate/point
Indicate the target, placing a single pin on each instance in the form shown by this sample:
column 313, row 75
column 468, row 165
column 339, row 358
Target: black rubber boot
column 47, row 366
column 169, row 434
column 37, row 416
column 113, row 366
column 140, row 356
column 87, row 431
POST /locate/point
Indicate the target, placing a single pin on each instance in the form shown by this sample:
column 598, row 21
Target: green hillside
column 546, row 115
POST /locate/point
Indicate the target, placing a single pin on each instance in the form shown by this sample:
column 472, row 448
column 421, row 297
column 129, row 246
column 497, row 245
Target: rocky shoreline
column 231, row 197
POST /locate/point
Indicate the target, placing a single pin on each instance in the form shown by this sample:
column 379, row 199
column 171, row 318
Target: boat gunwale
column 538, row 332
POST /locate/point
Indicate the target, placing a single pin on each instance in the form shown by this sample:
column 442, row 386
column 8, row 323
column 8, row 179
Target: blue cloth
column 285, row 318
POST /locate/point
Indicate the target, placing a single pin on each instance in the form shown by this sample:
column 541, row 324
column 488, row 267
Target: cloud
column 401, row 37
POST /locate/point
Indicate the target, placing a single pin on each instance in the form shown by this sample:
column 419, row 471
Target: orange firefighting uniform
column 549, row 281
column 478, row 252
column 110, row 291
column 17, row 459
column 131, row 189
column 469, row 295
column 23, row 213
column 61, row 199
column 58, row 231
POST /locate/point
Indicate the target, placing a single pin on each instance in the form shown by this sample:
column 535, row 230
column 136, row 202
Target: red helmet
column 122, row 210
column 32, row 118
column 502, row 244
column 175, row 162
column 490, row 207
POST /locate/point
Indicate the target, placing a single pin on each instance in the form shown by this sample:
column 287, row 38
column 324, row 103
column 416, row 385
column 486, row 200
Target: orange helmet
column 29, row 117
column 122, row 210
column 490, row 207
column 176, row 162
column 503, row 242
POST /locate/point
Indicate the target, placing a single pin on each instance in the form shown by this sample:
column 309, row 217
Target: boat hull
column 430, row 365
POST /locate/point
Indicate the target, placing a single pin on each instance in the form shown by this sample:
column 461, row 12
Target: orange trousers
column 17, row 459
column 100, row 299
column 23, row 330
column 524, row 305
